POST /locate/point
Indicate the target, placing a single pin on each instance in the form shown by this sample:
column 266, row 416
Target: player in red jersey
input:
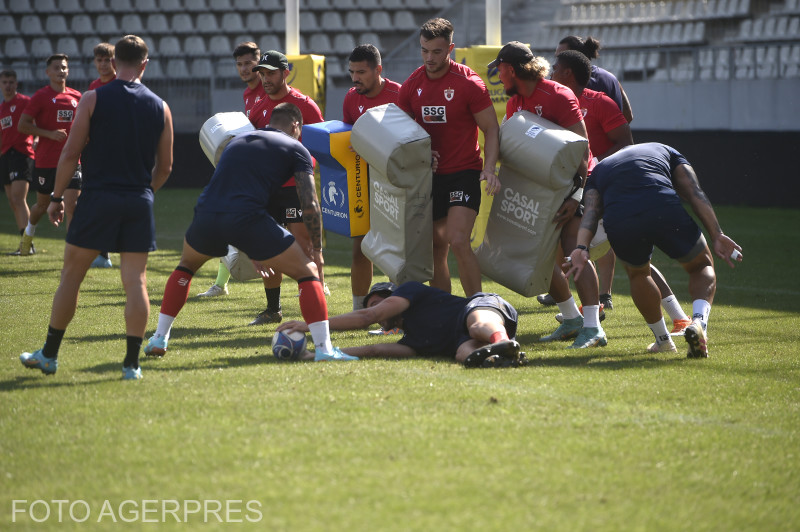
column 451, row 103
column 246, row 55
column 273, row 71
column 370, row 89
column 523, row 77
column 49, row 116
column 16, row 151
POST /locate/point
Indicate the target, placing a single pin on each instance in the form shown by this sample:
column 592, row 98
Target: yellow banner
column 307, row 74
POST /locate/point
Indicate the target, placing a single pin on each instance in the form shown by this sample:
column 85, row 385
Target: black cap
column 514, row 53
column 382, row 289
column 272, row 60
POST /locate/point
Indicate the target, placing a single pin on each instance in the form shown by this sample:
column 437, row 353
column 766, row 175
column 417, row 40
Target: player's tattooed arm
column 593, row 210
column 312, row 216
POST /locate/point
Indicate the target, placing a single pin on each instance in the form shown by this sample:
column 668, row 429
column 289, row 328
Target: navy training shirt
column 636, row 179
column 253, row 166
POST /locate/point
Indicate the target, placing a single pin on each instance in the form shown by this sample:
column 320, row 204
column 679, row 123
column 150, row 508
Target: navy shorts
column 114, row 221
column 494, row 302
column 285, row 206
column 461, row 189
column 15, row 166
column 669, row 228
column 255, row 233
column 45, row 180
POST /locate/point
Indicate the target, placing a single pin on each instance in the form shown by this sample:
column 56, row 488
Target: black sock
column 273, row 298
column 104, row 254
column 132, row 355
column 53, row 342
column 21, row 231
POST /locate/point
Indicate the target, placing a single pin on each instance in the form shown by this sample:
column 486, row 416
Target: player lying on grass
column 479, row 330
column 638, row 191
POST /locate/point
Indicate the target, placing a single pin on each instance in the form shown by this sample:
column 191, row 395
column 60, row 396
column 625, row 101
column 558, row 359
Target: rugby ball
column 288, row 346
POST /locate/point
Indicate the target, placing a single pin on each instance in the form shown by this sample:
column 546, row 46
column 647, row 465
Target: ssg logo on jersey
column 5, row 122
column 434, row 114
column 64, row 115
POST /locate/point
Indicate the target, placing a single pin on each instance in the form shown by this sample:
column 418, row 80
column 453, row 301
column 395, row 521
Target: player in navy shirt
column 478, row 330
column 232, row 210
column 638, row 193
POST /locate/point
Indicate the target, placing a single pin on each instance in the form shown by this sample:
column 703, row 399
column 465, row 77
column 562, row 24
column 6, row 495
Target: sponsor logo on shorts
column 65, row 115
column 293, row 213
column 434, row 114
column 42, row 180
column 457, row 196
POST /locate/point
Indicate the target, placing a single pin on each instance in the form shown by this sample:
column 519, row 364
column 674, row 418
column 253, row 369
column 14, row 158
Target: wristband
column 55, row 199
column 577, row 195
column 581, row 247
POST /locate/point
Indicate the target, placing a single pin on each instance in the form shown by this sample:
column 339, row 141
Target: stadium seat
column 794, row 28
column 171, row 6
column 182, row 25
column 20, row 8
column 245, row 6
column 7, row 25
column 319, row 5
column 343, row 43
column 69, row 46
column 391, row 5
column 120, row 6
column 131, row 23
column 371, row 38
column 81, row 25
column 107, row 24
column 705, row 62
column 15, row 48
column 722, row 61
column 79, row 77
column 417, row 4
column 278, row 21
column 334, row 68
column 145, row 7
column 219, row 46
column 221, row 6
column 201, row 68
column 767, row 62
column 88, row 43
column 743, row 58
column 45, row 6
column 270, row 5
column 41, row 47
column 320, row 43
column 344, row 5
column 368, row 4
column 194, row 46
column 157, row 23
column 242, row 37
column 195, row 6
column 355, row 20
column 25, row 74
column 308, row 21
column 95, row 6
column 232, row 22
column 380, row 21
column 271, row 42
column 31, row 25
column 792, row 69
column 153, row 70
column 256, row 22
column 206, row 23
column 439, row 4
column 404, row 21
column 331, row 21
column 168, row 45
column 177, row 69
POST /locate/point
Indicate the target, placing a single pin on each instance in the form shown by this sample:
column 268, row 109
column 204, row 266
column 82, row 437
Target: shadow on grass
column 41, row 381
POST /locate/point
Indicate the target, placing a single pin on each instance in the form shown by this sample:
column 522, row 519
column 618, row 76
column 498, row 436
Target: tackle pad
column 539, row 160
column 398, row 150
column 218, row 131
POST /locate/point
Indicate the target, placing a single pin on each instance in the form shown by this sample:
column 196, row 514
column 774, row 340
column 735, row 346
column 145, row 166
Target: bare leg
column 644, row 292
column 76, row 263
column 360, row 270
column 441, row 247
column 605, row 271
column 17, row 192
column 133, row 271
column 460, row 221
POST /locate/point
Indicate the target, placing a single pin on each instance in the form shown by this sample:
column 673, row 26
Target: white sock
column 659, row 329
column 569, row 309
column 591, row 315
column 320, row 333
column 164, row 325
column 358, row 302
column 700, row 311
column 30, row 230
column 673, row 308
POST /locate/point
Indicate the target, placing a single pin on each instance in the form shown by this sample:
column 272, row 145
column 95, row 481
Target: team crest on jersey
column 538, row 110
column 258, row 99
column 13, row 108
column 64, row 115
column 456, row 196
column 74, row 103
column 448, row 94
column 419, row 92
column 360, row 108
column 584, row 110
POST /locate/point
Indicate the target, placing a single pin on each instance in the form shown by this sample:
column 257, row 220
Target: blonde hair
column 535, row 69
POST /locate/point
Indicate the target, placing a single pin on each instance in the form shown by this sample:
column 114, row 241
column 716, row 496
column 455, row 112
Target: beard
column 512, row 91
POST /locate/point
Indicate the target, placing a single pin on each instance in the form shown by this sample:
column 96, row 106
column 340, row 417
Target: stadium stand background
column 718, row 79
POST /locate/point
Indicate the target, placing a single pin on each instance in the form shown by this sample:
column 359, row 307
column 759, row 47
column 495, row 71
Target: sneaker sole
column 508, row 349
column 695, row 348
column 155, row 352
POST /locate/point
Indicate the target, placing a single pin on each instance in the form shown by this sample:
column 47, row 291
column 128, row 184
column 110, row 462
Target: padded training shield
column 343, row 178
column 240, row 265
column 398, row 150
column 218, row 130
column 539, row 160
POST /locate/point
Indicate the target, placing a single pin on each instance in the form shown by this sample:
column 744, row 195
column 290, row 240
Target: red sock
column 499, row 336
column 313, row 306
column 176, row 292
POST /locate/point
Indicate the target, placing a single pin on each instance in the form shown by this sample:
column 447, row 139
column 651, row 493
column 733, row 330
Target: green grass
column 606, row 439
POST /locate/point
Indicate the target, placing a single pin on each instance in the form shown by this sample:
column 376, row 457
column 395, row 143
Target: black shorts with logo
column 285, row 206
column 461, row 189
column 45, row 180
column 15, row 166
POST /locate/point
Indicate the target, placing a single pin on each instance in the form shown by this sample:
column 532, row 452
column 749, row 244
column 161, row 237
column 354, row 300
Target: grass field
column 606, row 439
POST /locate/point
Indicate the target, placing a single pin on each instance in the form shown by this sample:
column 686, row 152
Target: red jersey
column 601, row 115
column 551, row 101
column 261, row 111
column 10, row 137
column 252, row 97
column 445, row 107
column 355, row 104
column 96, row 84
column 52, row 110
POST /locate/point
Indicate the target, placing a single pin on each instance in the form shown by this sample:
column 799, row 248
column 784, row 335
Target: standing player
column 104, row 63
column 246, row 55
column 638, row 192
column 523, row 77
column 49, row 116
column 272, row 70
column 16, row 152
column 232, row 210
column 370, row 89
column 122, row 170
column 451, row 103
